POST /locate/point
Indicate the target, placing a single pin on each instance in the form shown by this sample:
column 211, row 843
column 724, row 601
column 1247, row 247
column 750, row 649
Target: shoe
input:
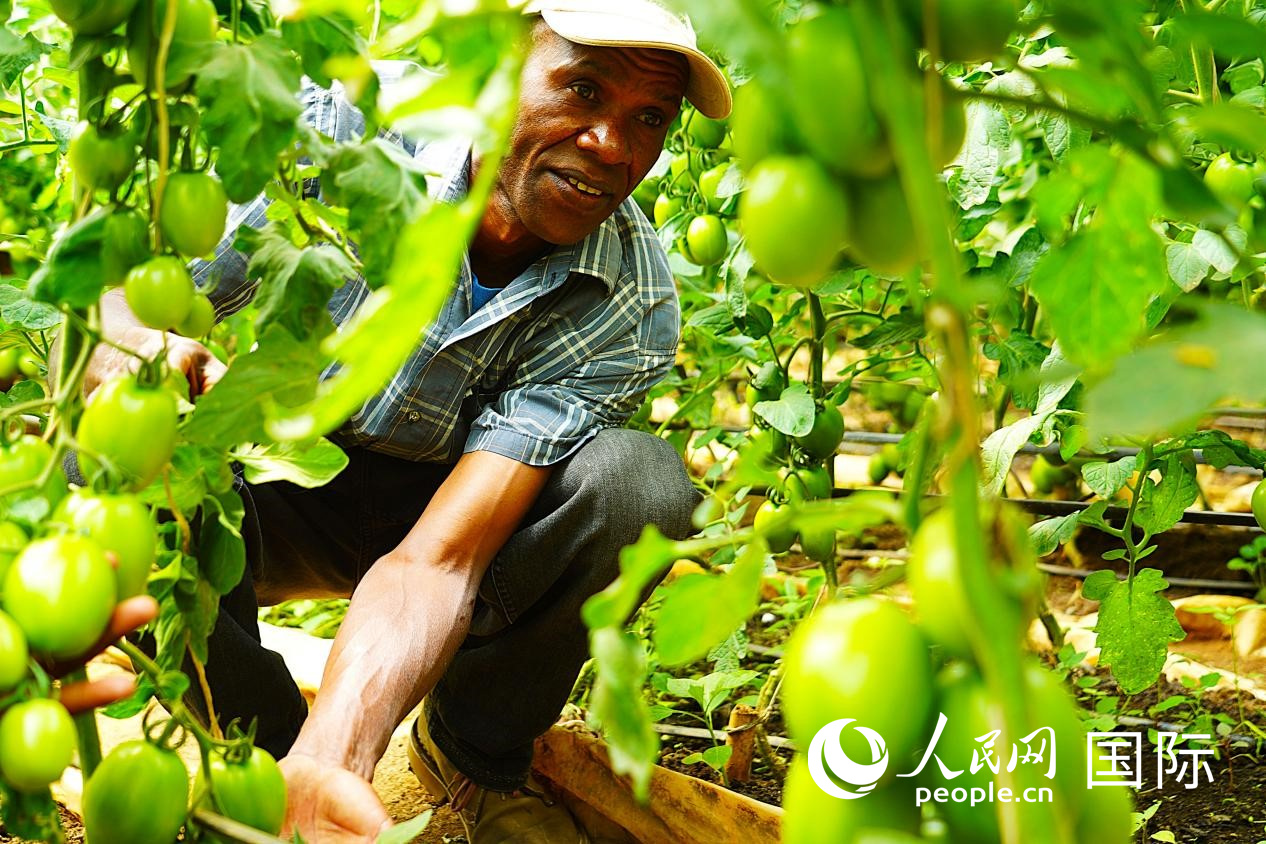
column 527, row 816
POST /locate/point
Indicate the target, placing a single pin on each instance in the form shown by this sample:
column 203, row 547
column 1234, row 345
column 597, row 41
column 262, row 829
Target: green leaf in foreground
column 700, row 610
column 403, row 833
column 617, row 705
column 1136, row 625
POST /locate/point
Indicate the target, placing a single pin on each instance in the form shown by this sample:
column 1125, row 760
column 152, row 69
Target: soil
column 1227, row 810
column 765, row 785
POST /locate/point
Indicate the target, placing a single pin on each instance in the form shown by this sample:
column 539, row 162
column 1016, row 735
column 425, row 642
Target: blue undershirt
column 481, row 295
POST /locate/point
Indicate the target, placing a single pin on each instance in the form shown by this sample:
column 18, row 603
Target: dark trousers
column 516, row 668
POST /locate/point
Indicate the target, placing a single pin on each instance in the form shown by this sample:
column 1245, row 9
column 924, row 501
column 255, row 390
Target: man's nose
column 608, row 141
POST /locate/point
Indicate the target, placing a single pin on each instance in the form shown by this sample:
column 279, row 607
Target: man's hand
column 329, row 804
column 201, row 368
column 89, row 694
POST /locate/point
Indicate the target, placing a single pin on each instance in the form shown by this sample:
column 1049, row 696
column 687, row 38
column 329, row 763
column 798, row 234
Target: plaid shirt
column 569, row 347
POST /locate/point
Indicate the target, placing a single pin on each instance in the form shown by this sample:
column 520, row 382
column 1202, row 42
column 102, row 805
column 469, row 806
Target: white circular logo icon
column 826, row 755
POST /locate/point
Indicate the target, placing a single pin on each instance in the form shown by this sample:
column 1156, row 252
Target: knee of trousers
column 633, row 479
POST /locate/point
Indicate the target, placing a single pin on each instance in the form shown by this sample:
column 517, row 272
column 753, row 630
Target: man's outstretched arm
column 405, row 622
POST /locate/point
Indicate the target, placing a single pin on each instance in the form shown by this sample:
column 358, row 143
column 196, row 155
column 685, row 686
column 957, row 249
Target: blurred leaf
column 221, row 550
column 17, row 54
column 700, row 610
column 72, row 274
column 617, row 704
column 405, row 831
column 1136, row 625
column 1229, row 36
column 902, row 327
column 1228, row 125
column 641, row 564
column 1166, row 386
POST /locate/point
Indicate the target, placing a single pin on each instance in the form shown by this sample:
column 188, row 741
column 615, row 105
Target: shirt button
column 414, row 416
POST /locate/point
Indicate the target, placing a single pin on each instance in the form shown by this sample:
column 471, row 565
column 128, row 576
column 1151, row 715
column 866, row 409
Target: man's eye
column 653, row 120
column 585, row 91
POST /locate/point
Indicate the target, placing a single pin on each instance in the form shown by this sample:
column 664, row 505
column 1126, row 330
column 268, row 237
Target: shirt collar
column 447, row 165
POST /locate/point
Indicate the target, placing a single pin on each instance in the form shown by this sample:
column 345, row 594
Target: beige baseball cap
column 640, row 23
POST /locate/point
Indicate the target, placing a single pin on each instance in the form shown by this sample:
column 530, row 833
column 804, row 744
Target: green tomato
column 1259, row 504
column 194, row 210
column 1230, row 180
column 201, row 318
column 818, row 544
column 120, row 524
column 30, row 366
column 773, row 443
column 125, row 244
column 1043, row 475
column 971, row 710
column 61, row 592
column 14, row 653
column 159, row 292
column 832, row 107
column 100, row 161
column 12, row 540
column 795, row 219
column 967, row 30
column 251, row 792
column 139, row 794
column 196, row 24
column 860, row 659
column 131, row 426
column 667, row 207
column 645, row 194
column 704, row 131
column 824, row 439
column 710, row 184
column 92, row 17
column 707, row 240
column 37, row 742
column 811, row 816
column 877, row 468
column 761, row 125
column 766, row 385
column 816, row 482
column 779, row 539
column 9, row 363
column 24, row 460
column 881, row 231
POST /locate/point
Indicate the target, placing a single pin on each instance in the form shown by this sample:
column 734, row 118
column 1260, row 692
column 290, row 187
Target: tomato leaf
column 641, row 564
column 17, row 54
column 1135, row 627
column 1187, row 267
column 1096, row 288
column 406, row 831
column 1049, row 534
column 72, row 274
column 294, row 284
column 700, row 610
column 309, row 467
column 792, row 413
column 221, row 550
column 1106, row 479
column 250, row 107
column 900, row 328
column 1161, row 505
column 376, row 181
column 619, row 707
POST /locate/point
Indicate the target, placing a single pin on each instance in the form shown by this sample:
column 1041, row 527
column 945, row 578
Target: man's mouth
column 583, row 187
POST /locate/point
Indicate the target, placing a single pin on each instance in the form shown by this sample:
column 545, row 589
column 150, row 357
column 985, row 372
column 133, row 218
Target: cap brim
column 707, row 90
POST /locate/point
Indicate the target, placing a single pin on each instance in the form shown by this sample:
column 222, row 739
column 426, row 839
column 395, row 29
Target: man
column 491, row 486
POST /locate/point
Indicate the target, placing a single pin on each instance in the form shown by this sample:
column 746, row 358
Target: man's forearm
column 406, row 620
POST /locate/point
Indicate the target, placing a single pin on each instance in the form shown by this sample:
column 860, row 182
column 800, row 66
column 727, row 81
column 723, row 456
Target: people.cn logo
column 830, row 765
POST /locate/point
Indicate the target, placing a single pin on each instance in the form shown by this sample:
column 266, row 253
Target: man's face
column 591, row 123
